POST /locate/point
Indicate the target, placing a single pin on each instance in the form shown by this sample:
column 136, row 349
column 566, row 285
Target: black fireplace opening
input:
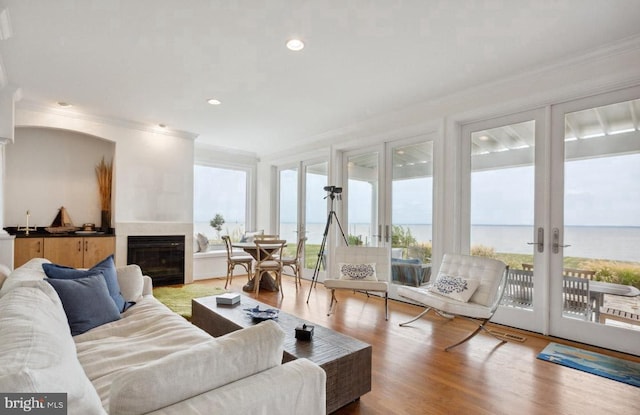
column 160, row 257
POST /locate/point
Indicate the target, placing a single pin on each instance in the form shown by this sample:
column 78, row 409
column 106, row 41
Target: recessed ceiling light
column 64, row 104
column 295, row 45
column 214, row 101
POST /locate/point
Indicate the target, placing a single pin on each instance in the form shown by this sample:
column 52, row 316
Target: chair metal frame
column 448, row 305
column 359, row 254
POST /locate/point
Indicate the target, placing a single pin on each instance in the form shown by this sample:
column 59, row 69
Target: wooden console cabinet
column 73, row 251
column 26, row 248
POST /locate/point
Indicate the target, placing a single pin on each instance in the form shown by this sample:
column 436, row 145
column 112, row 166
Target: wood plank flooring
column 412, row 374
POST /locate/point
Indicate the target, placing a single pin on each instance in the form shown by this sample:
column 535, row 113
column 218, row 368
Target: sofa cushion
column 37, row 353
column 406, row 261
column 4, row 273
column 106, row 267
column 215, row 363
column 148, row 331
column 30, row 271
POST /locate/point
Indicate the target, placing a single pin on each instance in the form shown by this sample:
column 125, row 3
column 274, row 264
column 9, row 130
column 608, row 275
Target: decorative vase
column 105, row 221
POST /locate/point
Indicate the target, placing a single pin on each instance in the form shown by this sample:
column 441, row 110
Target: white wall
column 596, row 71
column 47, row 169
column 153, row 174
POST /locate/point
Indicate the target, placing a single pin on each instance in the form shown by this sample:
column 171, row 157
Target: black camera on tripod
column 334, row 190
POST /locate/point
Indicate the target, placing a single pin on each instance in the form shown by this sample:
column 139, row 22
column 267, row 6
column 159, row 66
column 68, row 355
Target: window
column 220, row 191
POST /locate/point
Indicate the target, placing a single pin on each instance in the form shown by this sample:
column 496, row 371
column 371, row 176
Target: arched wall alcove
column 47, row 168
column 152, row 190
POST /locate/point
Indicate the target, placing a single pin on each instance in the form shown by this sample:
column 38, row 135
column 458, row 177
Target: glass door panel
column 316, row 179
column 315, row 214
column 602, row 204
column 365, row 227
column 307, row 191
column 596, row 237
column 411, row 213
column 502, row 214
column 288, row 208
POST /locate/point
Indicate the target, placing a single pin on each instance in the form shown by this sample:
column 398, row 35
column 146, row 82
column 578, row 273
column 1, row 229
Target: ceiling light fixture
column 162, row 126
column 295, row 45
column 214, row 101
column 64, row 104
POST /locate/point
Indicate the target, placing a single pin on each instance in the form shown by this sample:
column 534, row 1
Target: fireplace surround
column 161, row 257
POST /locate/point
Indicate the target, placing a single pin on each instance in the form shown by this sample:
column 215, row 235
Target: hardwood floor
column 412, row 374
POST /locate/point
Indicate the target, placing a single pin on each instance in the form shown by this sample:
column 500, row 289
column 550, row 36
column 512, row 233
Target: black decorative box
column 304, row 332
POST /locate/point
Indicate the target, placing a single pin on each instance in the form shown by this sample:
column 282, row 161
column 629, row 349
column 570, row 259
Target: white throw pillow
column 131, row 282
column 457, row 288
column 357, row 272
column 251, row 236
column 203, row 242
column 196, row 245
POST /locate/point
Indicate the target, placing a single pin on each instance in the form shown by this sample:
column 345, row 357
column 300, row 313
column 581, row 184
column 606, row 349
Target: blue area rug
column 609, row 367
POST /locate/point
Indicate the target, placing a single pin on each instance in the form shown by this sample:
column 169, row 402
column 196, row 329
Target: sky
column 599, row 192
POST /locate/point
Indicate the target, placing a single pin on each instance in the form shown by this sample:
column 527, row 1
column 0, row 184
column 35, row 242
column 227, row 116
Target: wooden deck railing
column 569, row 272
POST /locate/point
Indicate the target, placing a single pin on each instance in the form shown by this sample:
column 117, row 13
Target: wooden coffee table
column 347, row 361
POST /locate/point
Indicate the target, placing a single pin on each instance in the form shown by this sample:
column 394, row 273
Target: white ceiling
column 158, row 61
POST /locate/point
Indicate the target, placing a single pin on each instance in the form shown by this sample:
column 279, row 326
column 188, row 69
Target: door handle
column 556, row 241
column 386, row 233
column 540, row 240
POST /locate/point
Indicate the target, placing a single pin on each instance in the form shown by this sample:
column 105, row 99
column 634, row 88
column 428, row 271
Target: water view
column 596, row 242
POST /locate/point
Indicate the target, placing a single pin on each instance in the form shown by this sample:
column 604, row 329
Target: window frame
column 250, row 196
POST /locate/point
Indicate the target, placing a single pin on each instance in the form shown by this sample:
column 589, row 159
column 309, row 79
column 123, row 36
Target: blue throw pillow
column 106, row 267
column 86, row 302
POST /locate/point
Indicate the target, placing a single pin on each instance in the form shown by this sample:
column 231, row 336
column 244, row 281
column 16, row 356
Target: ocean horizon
column 621, row 243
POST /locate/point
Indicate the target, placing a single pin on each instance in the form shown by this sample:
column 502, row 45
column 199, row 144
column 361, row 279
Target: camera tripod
column 332, row 215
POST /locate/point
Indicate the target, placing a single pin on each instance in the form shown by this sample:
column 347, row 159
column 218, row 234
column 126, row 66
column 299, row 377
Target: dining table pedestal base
column 266, row 283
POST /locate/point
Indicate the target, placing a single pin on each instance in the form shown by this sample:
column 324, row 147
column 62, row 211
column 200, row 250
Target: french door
column 506, row 201
column 389, row 202
column 302, row 209
column 555, row 194
column 595, row 220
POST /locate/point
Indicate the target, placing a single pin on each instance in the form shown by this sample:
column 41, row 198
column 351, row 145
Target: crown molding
column 71, row 113
column 421, row 116
column 206, row 152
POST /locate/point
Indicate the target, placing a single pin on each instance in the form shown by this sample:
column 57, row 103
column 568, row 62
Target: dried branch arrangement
column 103, row 172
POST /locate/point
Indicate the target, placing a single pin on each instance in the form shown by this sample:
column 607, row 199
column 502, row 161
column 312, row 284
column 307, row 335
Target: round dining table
column 266, row 281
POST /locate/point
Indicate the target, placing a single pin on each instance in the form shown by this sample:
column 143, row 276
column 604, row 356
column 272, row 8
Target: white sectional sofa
column 150, row 360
